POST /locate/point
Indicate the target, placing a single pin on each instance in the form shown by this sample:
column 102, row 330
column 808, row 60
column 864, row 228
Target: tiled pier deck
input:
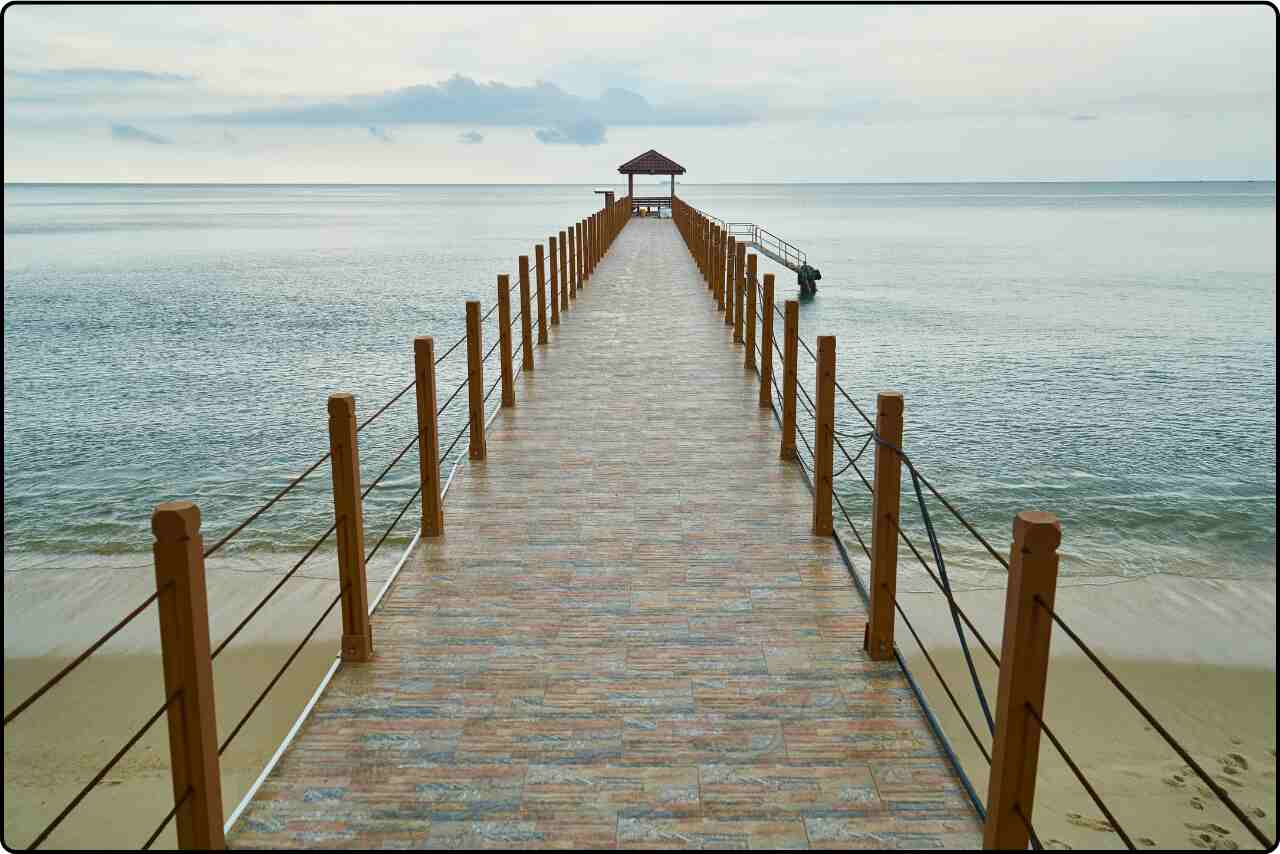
column 628, row 636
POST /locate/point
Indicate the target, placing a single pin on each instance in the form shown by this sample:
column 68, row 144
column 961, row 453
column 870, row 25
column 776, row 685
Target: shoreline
column 1201, row 656
column 1200, row 653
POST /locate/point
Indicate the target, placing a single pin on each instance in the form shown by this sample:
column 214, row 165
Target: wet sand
column 1199, row 654
column 57, row 746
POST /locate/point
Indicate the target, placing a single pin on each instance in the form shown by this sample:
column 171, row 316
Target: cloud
column 471, row 137
column 95, row 75
column 462, row 100
column 380, row 134
column 1084, row 117
column 580, row 132
column 129, row 133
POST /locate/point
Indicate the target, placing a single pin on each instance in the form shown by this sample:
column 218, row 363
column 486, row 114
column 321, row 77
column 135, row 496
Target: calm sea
column 1106, row 351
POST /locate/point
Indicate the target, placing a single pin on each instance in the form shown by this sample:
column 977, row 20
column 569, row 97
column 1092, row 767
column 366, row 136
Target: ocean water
column 1105, row 351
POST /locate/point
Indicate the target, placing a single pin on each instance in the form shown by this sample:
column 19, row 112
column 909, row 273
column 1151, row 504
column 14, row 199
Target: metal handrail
column 791, row 255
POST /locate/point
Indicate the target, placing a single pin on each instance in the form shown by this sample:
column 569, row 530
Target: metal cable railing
column 276, row 678
column 940, row 579
column 218, row 545
column 106, row 769
column 82, row 657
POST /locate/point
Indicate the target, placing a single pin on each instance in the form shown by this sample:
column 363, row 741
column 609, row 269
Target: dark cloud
column 580, row 132
column 471, row 137
column 129, row 133
column 94, row 75
column 380, row 134
column 461, row 100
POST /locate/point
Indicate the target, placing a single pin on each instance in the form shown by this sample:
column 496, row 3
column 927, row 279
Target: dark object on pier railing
column 807, row 277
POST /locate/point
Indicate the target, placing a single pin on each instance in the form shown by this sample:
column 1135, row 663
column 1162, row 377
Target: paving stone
column 628, row 636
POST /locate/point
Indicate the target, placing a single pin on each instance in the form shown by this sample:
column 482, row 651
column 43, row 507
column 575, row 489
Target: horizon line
column 817, row 181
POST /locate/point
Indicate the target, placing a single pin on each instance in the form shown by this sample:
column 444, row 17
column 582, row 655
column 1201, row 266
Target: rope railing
column 394, row 522
column 940, row 578
column 1164, row 733
column 222, row 748
column 275, row 589
column 106, row 769
column 82, row 657
column 382, row 474
column 941, row 581
column 155, row 834
column 181, row 524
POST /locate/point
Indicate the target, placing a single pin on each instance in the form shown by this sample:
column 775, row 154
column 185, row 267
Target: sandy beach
column 1199, row 653
column 56, row 747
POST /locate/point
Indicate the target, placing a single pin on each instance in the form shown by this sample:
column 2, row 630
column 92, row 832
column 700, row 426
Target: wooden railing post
column 750, row 334
column 526, row 317
column 555, row 279
column 581, row 279
column 823, row 440
column 739, row 289
column 717, row 266
column 574, row 264
column 564, row 273
column 183, row 605
column 475, row 381
column 730, row 280
column 1024, row 662
column 790, row 349
column 504, row 340
column 424, row 373
column 539, row 261
column 348, row 513
column 885, row 506
column 766, row 343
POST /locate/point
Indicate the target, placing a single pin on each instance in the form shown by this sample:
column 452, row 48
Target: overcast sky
column 546, row 94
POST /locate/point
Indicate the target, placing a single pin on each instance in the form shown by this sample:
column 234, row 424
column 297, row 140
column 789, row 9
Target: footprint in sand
column 1216, row 828
column 1147, row 841
column 1236, row 741
column 1196, row 803
column 1091, row 823
column 1228, row 781
column 1057, row 845
column 1257, row 812
column 1175, row 780
column 1237, row 760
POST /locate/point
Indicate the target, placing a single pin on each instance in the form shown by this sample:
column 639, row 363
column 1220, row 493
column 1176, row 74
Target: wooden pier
column 628, row 619
column 628, row 635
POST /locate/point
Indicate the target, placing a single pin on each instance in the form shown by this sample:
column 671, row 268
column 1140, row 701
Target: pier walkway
column 628, row 635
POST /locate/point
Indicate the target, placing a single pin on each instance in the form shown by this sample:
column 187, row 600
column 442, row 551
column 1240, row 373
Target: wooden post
column 539, row 261
column 581, row 244
column 574, row 248
column 424, row 373
column 766, row 343
column 1024, row 662
column 750, row 335
column 475, row 381
column 526, row 317
column 504, row 340
column 555, row 263
column 183, row 605
column 739, row 289
column 564, row 272
column 348, row 512
column 730, row 280
column 790, row 348
column 823, row 441
column 885, row 505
